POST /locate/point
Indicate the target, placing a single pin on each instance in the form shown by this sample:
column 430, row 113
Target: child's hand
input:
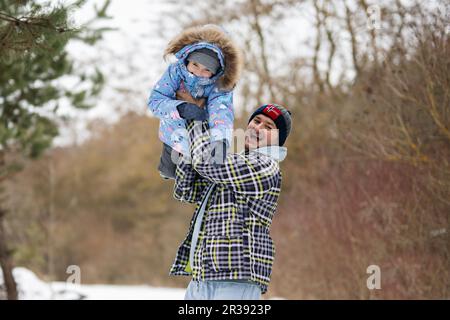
column 184, row 95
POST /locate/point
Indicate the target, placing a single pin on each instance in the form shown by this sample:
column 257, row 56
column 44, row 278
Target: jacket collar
column 276, row 152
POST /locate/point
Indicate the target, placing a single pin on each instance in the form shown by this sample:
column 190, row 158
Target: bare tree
column 354, row 43
column 255, row 6
column 372, row 31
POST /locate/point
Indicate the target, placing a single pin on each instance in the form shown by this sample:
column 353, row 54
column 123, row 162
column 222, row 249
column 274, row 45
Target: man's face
column 261, row 132
column 199, row 70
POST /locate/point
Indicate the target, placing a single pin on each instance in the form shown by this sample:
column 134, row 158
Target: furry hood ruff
column 216, row 36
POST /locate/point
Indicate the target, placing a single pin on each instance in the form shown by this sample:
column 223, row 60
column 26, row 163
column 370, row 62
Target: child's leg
column 166, row 166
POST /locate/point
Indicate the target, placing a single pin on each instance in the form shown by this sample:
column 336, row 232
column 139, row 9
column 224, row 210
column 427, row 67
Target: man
column 228, row 249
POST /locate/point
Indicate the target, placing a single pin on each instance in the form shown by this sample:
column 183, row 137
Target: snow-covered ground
column 32, row 288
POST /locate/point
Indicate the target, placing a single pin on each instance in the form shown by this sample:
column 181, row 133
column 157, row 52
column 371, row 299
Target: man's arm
column 189, row 185
column 253, row 175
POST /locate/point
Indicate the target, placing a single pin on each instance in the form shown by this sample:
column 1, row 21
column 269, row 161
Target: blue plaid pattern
column 234, row 241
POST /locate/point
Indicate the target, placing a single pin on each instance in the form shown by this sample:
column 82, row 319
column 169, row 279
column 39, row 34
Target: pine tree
column 33, row 39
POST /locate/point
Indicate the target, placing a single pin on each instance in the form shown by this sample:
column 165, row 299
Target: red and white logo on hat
column 272, row 111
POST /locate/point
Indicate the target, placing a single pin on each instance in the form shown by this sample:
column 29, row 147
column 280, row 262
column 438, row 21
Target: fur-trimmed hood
column 231, row 59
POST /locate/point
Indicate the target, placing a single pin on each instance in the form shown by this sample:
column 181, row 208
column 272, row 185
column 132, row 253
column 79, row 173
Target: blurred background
column 367, row 177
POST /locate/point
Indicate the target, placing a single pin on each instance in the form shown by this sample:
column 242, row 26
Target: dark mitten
column 191, row 111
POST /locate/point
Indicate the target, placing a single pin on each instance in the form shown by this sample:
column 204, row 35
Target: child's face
column 199, row 70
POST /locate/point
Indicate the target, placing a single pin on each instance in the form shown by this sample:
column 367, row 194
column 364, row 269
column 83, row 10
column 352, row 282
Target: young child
column 208, row 66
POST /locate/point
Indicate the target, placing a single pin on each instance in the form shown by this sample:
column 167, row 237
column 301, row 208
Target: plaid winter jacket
column 234, row 240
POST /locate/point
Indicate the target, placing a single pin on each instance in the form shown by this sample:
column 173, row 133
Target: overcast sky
column 130, row 58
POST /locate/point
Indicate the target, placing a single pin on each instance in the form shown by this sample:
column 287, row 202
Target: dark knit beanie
column 280, row 115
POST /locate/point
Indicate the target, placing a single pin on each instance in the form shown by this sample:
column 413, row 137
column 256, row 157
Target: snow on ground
column 32, row 288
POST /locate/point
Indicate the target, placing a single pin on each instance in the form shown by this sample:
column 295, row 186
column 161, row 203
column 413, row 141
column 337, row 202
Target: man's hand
column 184, row 95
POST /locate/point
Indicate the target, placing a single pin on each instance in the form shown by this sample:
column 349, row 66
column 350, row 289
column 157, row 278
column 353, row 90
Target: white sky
column 131, row 57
